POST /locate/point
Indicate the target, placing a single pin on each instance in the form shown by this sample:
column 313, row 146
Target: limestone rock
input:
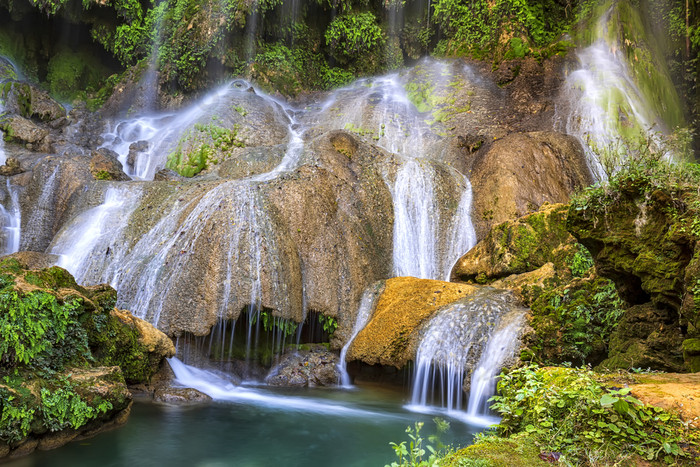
column 23, row 130
column 646, row 337
column 104, row 165
column 312, row 365
column 522, row 171
column 33, row 259
column 390, row 337
column 11, row 167
column 518, row 246
column 180, row 396
column 29, row 101
column 691, row 354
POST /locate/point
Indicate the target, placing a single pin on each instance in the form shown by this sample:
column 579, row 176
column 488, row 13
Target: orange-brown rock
column 674, row 392
column 390, row 338
column 520, row 172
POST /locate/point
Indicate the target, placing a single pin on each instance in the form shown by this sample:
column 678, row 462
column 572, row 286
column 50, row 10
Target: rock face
column 646, row 337
column 391, row 336
column 313, row 365
column 31, row 102
column 69, row 371
column 520, row 172
column 519, row 246
column 642, row 238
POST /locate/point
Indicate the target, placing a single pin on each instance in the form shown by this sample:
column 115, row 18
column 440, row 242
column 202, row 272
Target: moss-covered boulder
column 519, row 246
column 66, row 355
column 642, row 232
column 29, row 101
column 390, row 337
column 691, row 354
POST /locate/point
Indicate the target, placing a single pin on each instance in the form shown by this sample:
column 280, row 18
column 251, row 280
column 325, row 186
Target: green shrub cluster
column 570, row 412
column 573, row 322
column 353, row 35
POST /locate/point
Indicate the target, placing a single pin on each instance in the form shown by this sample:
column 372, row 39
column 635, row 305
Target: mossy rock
column 516, row 451
column 519, row 246
column 691, row 354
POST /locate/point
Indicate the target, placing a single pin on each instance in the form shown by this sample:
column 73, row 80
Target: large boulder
column 520, row 172
column 392, row 335
column 31, row 102
column 312, row 365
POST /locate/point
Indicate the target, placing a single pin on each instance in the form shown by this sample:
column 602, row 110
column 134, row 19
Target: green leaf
column 608, row 400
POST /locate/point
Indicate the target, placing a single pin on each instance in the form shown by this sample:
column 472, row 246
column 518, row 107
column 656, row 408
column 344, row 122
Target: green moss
column 201, row 147
column 491, row 451
column 691, row 354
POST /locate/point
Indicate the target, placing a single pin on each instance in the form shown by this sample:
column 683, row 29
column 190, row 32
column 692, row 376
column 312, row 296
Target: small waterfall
column 87, row 245
column 37, row 222
column 426, row 244
column 463, row 235
column 364, row 313
column 502, row 345
column 456, row 338
column 415, row 226
column 12, row 220
column 601, row 104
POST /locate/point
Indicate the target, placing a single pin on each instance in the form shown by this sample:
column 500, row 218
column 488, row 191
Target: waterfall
column 601, row 104
column 12, row 220
column 364, row 312
column 426, row 244
column 458, row 336
column 87, row 245
column 503, row 343
column 41, row 214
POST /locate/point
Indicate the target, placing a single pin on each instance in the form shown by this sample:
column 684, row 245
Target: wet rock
column 179, row 396
column 11, row 167
column 49, row 197
column 7, row 73
column 167, row 175
column 691, row 354
column 33, row 259
column 391, row 336
column 31, row 102
column 104, row 165
column 519, row 246
column 25, row 131
column 134, row 150
column 522, row 171
column 312, row 365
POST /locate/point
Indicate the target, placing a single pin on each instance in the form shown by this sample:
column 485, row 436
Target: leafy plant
column 568, row 411
column 349, row 36
column 63, row 408
column 418, row 452
column 329, row 324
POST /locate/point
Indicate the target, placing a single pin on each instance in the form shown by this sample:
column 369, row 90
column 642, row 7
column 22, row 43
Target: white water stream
column 458, row 336
column 364, row 312
column 11, row 221
column 600, row 101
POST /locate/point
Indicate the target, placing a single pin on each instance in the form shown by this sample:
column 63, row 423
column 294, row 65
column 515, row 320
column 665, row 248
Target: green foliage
column 62, row 408
column 15, row 416
column 418, row 452
column 475, row 27
column 574, row 322
column 350, row 36
column 580, row 262
column 35, row 328
column 329, row 324
column 201, row 146
column 568, row 411
column 271, row 322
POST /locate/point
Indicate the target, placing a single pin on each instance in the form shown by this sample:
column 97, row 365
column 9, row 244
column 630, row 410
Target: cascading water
column 502, row 345
column 424, row 228
column 88, row 244
column 12, row 220
column 600, row 102
column 456, row 338
column 364, row 312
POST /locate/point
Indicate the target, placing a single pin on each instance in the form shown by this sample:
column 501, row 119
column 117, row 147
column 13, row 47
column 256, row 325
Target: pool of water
column 311, row 427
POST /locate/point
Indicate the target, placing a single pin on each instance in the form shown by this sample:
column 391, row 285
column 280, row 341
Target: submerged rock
column 180, row 396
